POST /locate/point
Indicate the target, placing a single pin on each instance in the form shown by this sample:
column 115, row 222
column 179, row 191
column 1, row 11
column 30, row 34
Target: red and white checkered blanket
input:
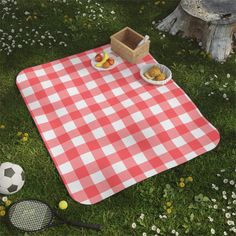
column 108, row 130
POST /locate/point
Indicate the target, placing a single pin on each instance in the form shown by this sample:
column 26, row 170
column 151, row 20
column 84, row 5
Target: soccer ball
column 12, row 178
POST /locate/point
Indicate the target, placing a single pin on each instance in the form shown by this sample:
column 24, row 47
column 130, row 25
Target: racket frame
column 53, row 218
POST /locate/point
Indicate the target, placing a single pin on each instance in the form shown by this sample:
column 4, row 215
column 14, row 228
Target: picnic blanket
column 107, row 130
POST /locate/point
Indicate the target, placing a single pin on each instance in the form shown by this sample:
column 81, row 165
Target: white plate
column 93, row 63
column 164, row 69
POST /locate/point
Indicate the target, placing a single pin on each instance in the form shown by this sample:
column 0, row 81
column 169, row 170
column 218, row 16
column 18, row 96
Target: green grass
column 191, row 70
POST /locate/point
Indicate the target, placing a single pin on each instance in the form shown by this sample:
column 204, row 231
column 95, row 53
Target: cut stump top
column 218, row 11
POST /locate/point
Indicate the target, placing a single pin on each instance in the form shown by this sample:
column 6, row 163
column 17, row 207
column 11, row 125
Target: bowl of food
column 156, row 74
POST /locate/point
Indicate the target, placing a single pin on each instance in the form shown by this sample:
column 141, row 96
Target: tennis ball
column 63, row 205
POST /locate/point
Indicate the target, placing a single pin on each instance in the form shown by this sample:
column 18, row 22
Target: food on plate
column 98, row 57
column 160, row 77
column 104, row 59
column 154, row 73
column 106, row 65
column 111, row 61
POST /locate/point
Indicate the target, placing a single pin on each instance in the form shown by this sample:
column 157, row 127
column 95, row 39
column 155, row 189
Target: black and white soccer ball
column 12, row 178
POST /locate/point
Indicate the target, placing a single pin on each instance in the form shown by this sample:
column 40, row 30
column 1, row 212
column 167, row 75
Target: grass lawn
column 68, row 27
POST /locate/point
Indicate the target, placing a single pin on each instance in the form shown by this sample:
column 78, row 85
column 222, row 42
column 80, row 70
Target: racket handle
column 85, row 225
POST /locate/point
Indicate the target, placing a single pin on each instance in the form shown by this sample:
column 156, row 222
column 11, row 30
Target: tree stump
column 212, row 22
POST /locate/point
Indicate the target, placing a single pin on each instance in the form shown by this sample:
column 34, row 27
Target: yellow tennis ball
column 63, row 205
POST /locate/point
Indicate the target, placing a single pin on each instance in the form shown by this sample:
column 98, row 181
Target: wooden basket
column 125, row 42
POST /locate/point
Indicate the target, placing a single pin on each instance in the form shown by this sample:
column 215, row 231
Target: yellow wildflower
column 7, row 203
column 168, row 204
column 19, row 133
column 181, row 179
column 26, row 135
column 182, row 184
column 2, row 213
column 168, row 210
column 24, row 139
column 190, row 179
column 2, row 126
column 2, row 208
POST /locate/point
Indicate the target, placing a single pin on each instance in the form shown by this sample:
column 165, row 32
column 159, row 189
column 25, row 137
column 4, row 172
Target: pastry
column 154, row 71
column 160, row 77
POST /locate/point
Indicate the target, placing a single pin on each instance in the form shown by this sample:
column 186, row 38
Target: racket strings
column 30, row 215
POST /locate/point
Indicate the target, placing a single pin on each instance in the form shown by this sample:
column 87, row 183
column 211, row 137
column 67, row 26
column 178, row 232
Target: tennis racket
column 34, row 215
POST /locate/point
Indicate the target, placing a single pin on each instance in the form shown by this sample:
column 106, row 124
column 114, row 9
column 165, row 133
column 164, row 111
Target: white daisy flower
column 231, row 182
column 210, row 219
column 225, row 181
column 225, row 233
column 215, row 206
column 154, row 228
column 133, row 226
column 4, row 199
column 144, row 234
column 230, row 222
column 227, row 215
column 213, row 231
column 141, row 216
column 173, row 231
column 158, row 230
column 228, row 75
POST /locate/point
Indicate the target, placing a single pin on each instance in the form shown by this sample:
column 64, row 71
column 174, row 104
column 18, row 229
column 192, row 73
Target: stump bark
column 212, row 22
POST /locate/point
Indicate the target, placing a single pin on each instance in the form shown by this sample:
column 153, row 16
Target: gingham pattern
column 106, row 131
